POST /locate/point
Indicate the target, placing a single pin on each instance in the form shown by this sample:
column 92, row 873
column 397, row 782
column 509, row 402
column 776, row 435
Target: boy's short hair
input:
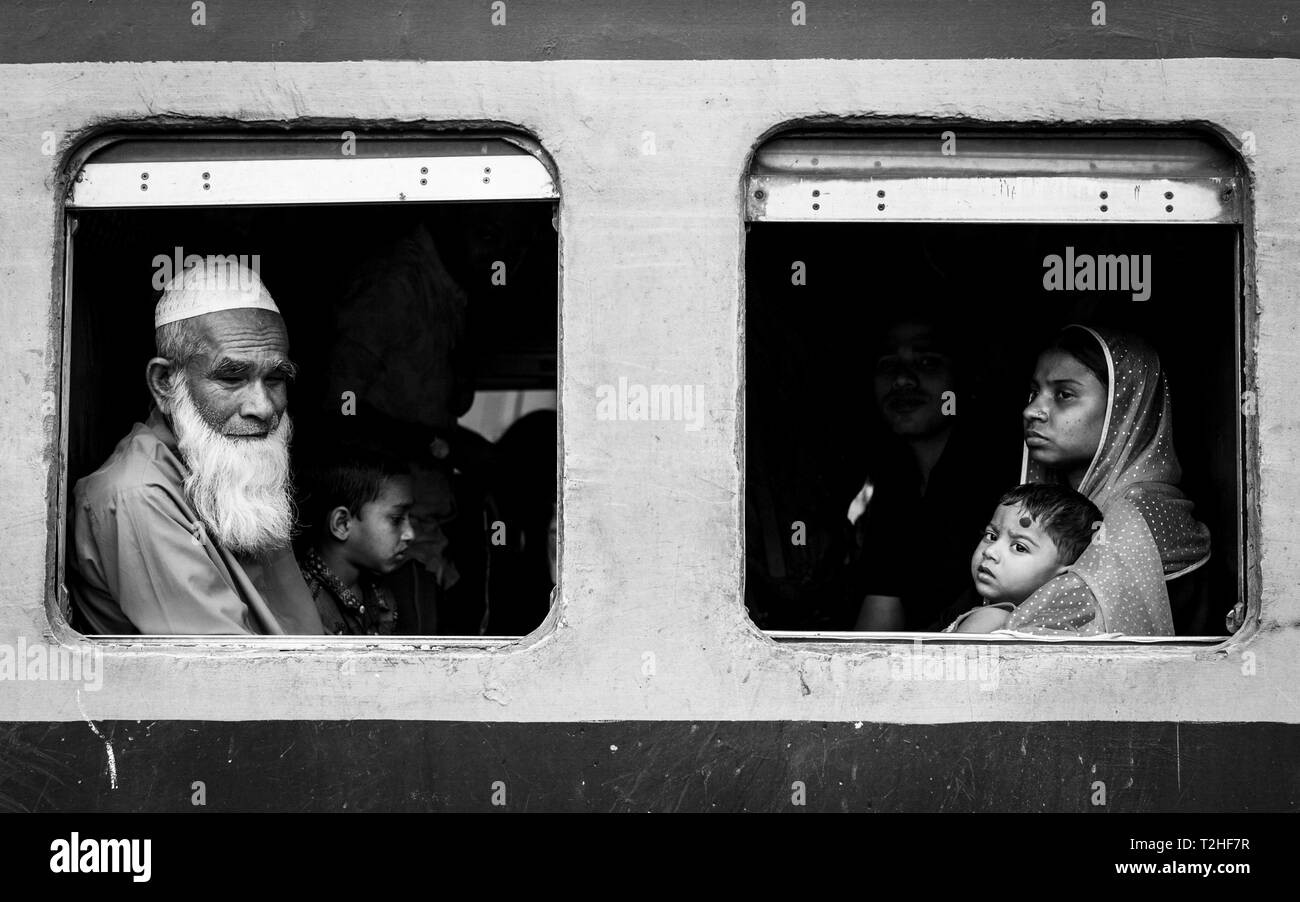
column 1064, row 514
column 347, row 478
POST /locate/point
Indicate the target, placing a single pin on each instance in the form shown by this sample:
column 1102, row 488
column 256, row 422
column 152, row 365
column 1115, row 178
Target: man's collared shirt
column 374, row 613
column 142, row 562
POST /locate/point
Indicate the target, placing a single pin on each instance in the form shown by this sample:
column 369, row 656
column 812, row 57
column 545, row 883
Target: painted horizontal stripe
column 651, row 766
column 139, row 30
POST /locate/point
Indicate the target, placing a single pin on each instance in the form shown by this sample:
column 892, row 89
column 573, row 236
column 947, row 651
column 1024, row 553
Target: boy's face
column 381, row 530
column 1014, row 557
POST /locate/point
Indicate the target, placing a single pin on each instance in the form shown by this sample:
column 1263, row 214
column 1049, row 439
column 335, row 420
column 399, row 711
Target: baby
column 1037, row 531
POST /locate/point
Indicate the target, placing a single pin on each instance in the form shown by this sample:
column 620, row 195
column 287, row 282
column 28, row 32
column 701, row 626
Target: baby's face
column 1014, row 557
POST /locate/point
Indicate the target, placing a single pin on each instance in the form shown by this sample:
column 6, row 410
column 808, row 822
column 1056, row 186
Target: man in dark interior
column 941, row 463
column 523, row 487
column 800, row 469
column 407, row 386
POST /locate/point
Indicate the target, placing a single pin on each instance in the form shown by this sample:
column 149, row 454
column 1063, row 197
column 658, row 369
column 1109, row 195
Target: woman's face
column 1066, row 410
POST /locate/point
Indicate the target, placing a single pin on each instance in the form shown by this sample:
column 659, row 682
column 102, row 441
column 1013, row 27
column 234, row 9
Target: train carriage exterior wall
column 648, row 687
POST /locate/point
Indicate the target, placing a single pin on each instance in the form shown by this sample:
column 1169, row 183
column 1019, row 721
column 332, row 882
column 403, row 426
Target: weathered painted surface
column 650, row 625
column 640, row 766
column 139, row 30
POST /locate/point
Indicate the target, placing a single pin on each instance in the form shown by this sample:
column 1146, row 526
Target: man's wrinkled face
column 239, row 379
column 911, row 375
column 227, row 410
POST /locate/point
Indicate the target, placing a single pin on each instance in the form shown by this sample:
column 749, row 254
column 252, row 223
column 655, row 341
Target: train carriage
column 660, row 170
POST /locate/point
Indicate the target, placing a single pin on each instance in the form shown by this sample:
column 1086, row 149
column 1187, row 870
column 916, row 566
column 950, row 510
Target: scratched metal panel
column 651, row 157
column 137, row 30
column 640, row 766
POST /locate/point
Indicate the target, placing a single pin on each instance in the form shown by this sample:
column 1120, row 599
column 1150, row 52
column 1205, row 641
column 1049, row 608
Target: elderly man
column 185, row 529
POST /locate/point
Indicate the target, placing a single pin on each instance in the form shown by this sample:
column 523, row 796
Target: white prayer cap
column 215, row 283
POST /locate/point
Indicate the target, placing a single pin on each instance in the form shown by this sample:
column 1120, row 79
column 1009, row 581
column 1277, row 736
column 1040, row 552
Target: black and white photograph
column 493, row 407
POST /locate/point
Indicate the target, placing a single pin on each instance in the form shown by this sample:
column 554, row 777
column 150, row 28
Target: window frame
column 58, row 599
column 1236, row 209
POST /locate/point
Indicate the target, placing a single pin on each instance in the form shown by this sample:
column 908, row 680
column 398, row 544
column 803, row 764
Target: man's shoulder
column 141, row 464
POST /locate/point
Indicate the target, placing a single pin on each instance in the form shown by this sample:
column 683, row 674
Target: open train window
column 906, row 293
column 411, row 273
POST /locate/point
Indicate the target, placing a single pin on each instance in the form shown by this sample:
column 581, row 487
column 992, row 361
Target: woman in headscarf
column 1099, row 420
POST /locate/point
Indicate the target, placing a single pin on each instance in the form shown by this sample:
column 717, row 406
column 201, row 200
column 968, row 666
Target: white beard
column 242, row 489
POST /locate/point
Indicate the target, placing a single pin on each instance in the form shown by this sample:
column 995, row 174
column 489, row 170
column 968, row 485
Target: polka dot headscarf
column 1149, row 534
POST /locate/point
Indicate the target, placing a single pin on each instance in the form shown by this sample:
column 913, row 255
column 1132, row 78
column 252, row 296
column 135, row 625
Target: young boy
column 357, row 513
column 1036, row 532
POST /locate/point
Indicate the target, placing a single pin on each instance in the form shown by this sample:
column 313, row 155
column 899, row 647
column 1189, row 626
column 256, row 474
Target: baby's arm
column 983, row 620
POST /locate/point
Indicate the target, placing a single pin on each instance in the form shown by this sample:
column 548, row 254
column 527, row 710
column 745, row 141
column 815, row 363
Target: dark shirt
column 918, row 546
column 797, row 538
column 341, row 611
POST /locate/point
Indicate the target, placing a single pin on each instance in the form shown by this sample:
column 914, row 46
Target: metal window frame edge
column 58, row 628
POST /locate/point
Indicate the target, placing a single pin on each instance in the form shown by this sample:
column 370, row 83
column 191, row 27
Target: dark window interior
column 811, row 423
column 310, row 259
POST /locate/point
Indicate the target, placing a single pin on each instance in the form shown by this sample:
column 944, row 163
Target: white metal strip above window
column 347, row 179
column 993, row 179
column 1034, row 199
